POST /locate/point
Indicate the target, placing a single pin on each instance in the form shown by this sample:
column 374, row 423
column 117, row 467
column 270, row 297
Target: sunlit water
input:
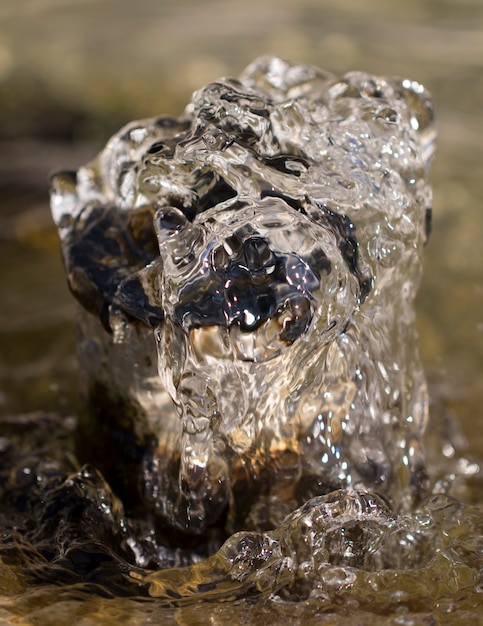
column 347, row 559
column 341, row 551
column 65, row 539
column 268, row 245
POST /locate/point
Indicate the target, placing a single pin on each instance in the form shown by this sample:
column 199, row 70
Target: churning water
column 250, row 444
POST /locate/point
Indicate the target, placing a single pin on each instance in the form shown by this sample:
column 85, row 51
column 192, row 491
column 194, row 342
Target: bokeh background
column 73, row 71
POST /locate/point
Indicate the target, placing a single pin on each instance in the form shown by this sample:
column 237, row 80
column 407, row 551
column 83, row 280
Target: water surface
column 61, row 106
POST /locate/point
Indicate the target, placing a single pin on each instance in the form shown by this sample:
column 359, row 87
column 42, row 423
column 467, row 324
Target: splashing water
column 270, row 241
column 248, row 362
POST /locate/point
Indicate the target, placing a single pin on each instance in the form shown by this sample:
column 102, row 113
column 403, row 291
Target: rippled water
column 267, row 577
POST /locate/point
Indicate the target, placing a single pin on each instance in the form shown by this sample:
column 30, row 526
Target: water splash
column 246, row 276
column 67, row 546
column 268, row 244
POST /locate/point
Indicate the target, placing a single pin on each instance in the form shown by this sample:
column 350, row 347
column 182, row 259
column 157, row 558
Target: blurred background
column 73, row 71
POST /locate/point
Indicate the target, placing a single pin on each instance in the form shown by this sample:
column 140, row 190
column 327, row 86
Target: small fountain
column 246, row 277
column 249, row 440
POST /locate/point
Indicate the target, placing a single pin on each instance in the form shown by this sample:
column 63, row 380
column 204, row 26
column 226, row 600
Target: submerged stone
column 246, row 277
